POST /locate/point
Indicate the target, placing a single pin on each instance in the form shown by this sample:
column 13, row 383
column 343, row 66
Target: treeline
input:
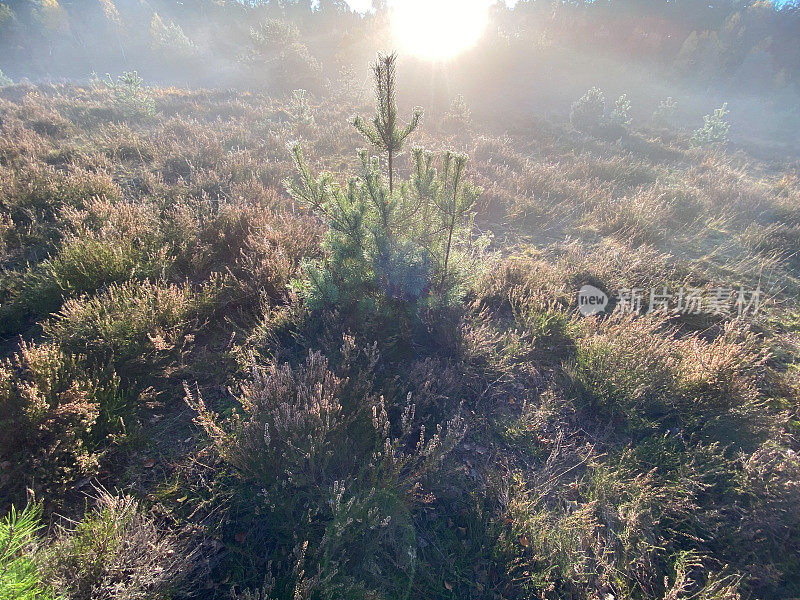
column 288, row 44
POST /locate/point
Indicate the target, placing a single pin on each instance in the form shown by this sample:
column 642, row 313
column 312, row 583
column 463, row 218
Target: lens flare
column 438, row 29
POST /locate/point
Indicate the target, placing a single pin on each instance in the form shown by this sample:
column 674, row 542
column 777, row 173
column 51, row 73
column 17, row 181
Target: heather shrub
column 641, row 370
column 607, row 542
column 84, row 264
column 48, row 407
column 116, row 551
column 295, row 427
column 318, row 442
column 133, row 322
column 34, row 201
column 714, row 131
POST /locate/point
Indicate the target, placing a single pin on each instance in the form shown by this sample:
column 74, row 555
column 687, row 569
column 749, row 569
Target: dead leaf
column 149, row 463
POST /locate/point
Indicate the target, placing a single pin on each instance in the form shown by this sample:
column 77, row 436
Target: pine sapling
column 385, row 133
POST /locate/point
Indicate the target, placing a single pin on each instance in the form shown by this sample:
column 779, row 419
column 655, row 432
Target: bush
column 637, row 370
column 131, row 98
column 666, row 111
column 620, row 117
column 117, row 551
column 588, row 112
column 48, row 407
column 310, row 441
column 714, row 132
column 133, row 322
column 391, row 251
column 84, row 264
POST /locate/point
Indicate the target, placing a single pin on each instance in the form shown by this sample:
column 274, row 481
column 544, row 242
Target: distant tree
column 276, row 52
column 169, row 37
column 384, row 132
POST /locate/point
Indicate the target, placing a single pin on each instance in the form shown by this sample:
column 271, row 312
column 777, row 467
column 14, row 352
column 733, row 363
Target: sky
column 363, row 5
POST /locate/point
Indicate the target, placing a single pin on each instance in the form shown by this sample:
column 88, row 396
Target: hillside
column 208, row 393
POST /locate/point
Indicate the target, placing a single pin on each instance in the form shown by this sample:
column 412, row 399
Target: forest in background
column 534, row 58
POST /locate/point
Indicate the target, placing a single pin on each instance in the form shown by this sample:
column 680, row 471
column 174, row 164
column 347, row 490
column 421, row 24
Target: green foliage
column 279, row 58
column 384, row 132
column 84, row 264
column 48, row 407
column 714, row 131
column 170, row 37
column 131, row 98
column 588, row 111
column 621, row 115
column 319, row 448
column 666, row 111
column 19, row 575
column 390, row 252
column 133, row 322
column 116, row 551
column 3, row 79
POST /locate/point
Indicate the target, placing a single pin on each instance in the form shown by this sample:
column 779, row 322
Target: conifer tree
column 389, row 254
column 385, row 133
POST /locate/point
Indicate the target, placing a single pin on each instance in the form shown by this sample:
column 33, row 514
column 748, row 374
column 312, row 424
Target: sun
column 438, row 29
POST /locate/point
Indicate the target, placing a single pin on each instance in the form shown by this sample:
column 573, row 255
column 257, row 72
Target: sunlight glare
column 438, row 29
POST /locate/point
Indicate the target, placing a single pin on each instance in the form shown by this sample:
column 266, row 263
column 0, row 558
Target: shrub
column 131, row 98
column 84, row 264
column 390, row 252
column 132, row 322
column 666, row 111
column 637, row 370
column 714, row 131
column 48, row 407
column 620, row 117
column 313, row 442
column 116, row 551
column 587, row 113
column 19, row 575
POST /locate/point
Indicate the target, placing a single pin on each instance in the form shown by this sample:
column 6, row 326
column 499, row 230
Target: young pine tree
column 385, row 133
column 390, row 252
